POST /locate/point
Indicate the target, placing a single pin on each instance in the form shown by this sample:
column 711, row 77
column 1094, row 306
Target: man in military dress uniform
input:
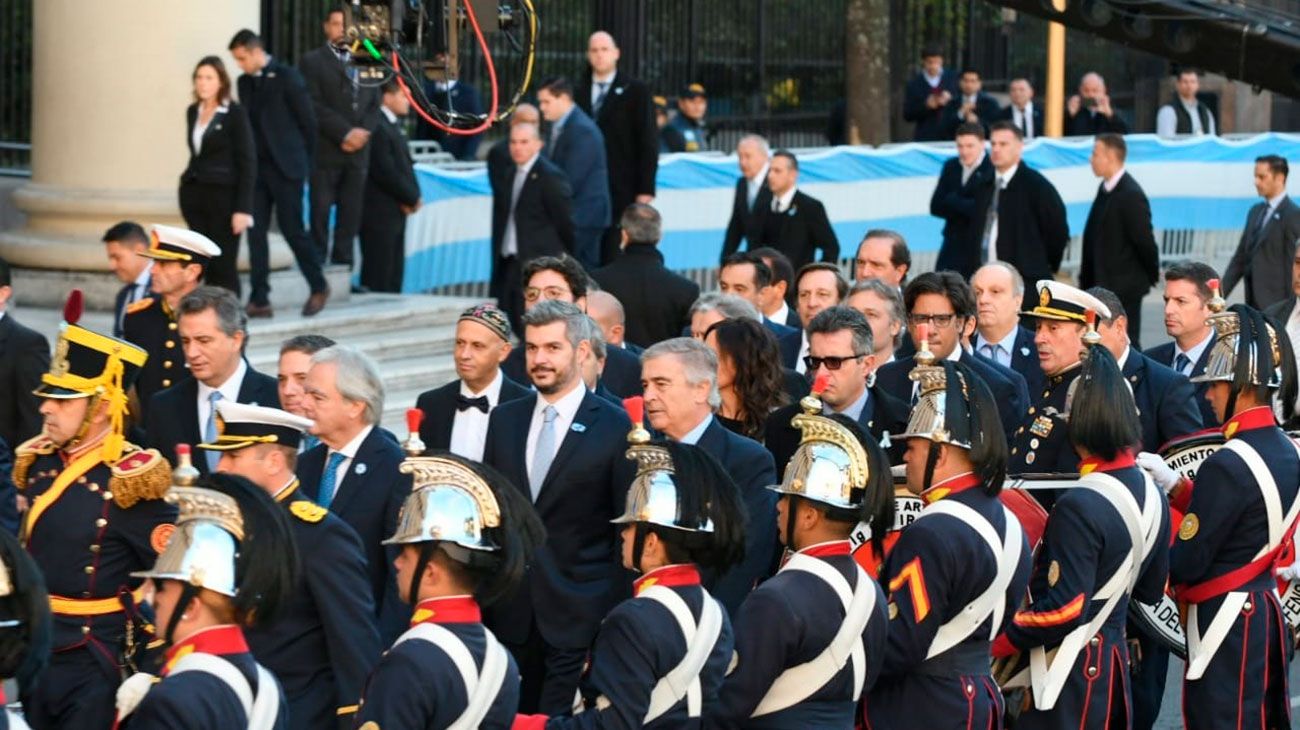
column 1040, row 444
column 1106, row 541
column 1237, row 514
column 810, row 640
column 957, row 573
column 94, row 514
column 325, row 641
column 180, row 257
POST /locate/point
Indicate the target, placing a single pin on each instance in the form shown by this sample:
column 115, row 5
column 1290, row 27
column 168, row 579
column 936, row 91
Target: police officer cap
column 692, row 91
column 169, row 243
column 1064, row 303
column 240, row 425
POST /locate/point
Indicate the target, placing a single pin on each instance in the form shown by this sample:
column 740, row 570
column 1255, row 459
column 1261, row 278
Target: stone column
column 111, row 85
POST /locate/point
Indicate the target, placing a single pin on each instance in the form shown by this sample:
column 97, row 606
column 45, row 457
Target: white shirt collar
column 782, row 314
column 142, row 279
column 1005, row 177
column 932, row 80
column 349, row 449
column 1006, row 343
column 567, row 405
column 229, row 389
column 492, row 391
column 1194, row 352
column 1295, row 312
column 955, row 355
column 1110, row 182
column 607, row 79
column 528, row 166
column 977, row 163
column 761, row 176
column 1124, row 358
column 693, row 436
column 388, row 114
column 1274, row 201
column 783, row 202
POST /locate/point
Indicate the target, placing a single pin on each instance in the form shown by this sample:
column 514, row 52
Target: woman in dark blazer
column 216, row 192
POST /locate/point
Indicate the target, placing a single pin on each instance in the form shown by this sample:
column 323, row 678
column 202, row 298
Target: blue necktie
column 545, row 452
column 210, row 430
column 1181, row 362
column 329, row 479
column 309, row 442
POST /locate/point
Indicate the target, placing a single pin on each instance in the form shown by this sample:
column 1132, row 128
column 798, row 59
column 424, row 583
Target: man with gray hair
column 840, row 347
column 882, row 305
column 212, row 329
column 655, row 298
column 680, row 379
column 753, row 200
column 999, row 291
column 564, row 447
column 715, row 307
column 353, row 471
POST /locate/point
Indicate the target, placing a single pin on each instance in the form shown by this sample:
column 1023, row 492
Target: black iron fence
column 15, row 86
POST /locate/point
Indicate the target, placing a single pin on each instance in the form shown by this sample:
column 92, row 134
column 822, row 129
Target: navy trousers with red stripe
column 1245, row 685
column 1096, row 693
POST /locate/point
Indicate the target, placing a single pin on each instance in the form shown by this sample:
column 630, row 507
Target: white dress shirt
column 754, row 185
column 1167, row 118
column 510, row 238
column 349, row 452
column 200, row 126
column 566, row 408
column 1002, row 349
column 469, row 427
column 1109, row 183
column 967, row 171
column 1194, row 352
column 229, row 392
column 854, row 409
column 141, row 284
column 1024, row 118
column 799, row 365
column 782, row 314
column 1273, row 203
column 388, row 114
column 782, row 204
column 693, row 436
column 596, row 82
column 1123, row 359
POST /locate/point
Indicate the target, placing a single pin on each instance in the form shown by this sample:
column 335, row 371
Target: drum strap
column 992, row 602
column 1048, row 674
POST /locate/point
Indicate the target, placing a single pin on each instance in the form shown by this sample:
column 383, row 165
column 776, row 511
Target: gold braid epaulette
column 25, row 455
column 140, row 474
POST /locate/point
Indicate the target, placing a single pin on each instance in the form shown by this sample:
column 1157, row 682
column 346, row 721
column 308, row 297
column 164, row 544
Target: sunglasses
column 831, row 363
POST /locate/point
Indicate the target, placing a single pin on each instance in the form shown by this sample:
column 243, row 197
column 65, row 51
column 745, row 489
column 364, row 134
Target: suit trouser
column 340, row 186
column 208, row 208
column 548, row 675
column 510, row 290
column 1132, row 302
column 383, row 254
column 77, row 690
column 275, row 190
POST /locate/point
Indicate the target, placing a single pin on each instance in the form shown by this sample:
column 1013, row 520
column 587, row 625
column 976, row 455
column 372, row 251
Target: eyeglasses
column 532, row 293
column 941, row 321
column 831, row 363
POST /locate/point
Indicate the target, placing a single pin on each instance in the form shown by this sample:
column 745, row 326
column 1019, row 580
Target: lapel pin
column 361, row 469
column 577, row 428
column 619, row 90
column 1024, row 351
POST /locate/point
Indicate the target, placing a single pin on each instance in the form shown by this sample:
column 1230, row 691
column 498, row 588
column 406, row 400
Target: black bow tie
column 463, row 403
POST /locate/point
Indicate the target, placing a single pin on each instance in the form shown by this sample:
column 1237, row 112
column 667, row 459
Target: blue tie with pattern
column 329, row 480
column 1181, row 362
column 210, row 430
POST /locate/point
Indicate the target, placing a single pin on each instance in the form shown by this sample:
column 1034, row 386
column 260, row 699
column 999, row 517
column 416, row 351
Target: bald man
column 608, row 312
column 624, row 111
column 1089, row 112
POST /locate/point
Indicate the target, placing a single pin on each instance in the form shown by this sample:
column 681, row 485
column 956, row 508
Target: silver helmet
column 654, row 496
column 1230, row 346
column 830, row 462
column 448, row 503
column 203, row 549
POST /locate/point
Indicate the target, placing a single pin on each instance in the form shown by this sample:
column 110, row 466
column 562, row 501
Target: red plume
column 635, row 408
column 182, row 450
column 73, row 307
column 1212, row 283
column 414, row 417
column 819, row 383
column 923, row 331
column 1091, row 316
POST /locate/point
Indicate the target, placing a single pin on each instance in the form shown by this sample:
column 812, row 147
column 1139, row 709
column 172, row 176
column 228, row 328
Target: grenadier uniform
column 1105, row 542
column 151, row 325
column 447, row 670
column 1238, row 513
column 956, row 573
column 94, row 515
column 324, row 644
column 810, row 640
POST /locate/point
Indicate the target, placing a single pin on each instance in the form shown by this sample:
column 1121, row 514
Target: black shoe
column 315, row 302
column 259, row 311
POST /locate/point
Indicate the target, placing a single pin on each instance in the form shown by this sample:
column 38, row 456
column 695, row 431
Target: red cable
column 492, row 77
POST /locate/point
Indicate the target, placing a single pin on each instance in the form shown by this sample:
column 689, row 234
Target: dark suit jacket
column 24, row 358
column 746, row 222
column 751, row 467
column 954, row 202
column 1165, row 354
column 228, row 156
column 173, row 414
column 1086, row 123
column 1007, row 386
column 576, row 577
column 1264, row 257
column 789, row 340
column 368, row 497
column 282, row 117
column 986, row 108
column 1165, row 400
column 656, row 300
column 120, row 304
column 391, row 182
column 1024, row 360
column 929, row 122
column 1008, row 113
column 1119, row 249
column 883, row 413
column 439, row 406
column 627, row 120
column 801, row 231
column 622, row 371
column 1032, row 230
column 543, row 215
column 339, row 104
column 579, row 152
column 463, row 98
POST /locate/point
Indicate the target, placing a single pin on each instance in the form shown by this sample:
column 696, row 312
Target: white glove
column 1290, row 572
column 1161, row 474
column 132, row 691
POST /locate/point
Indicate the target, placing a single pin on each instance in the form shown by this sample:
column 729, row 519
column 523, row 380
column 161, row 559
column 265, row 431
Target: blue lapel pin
column 577, row 428
column 1024, row 351
column 361, row 469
